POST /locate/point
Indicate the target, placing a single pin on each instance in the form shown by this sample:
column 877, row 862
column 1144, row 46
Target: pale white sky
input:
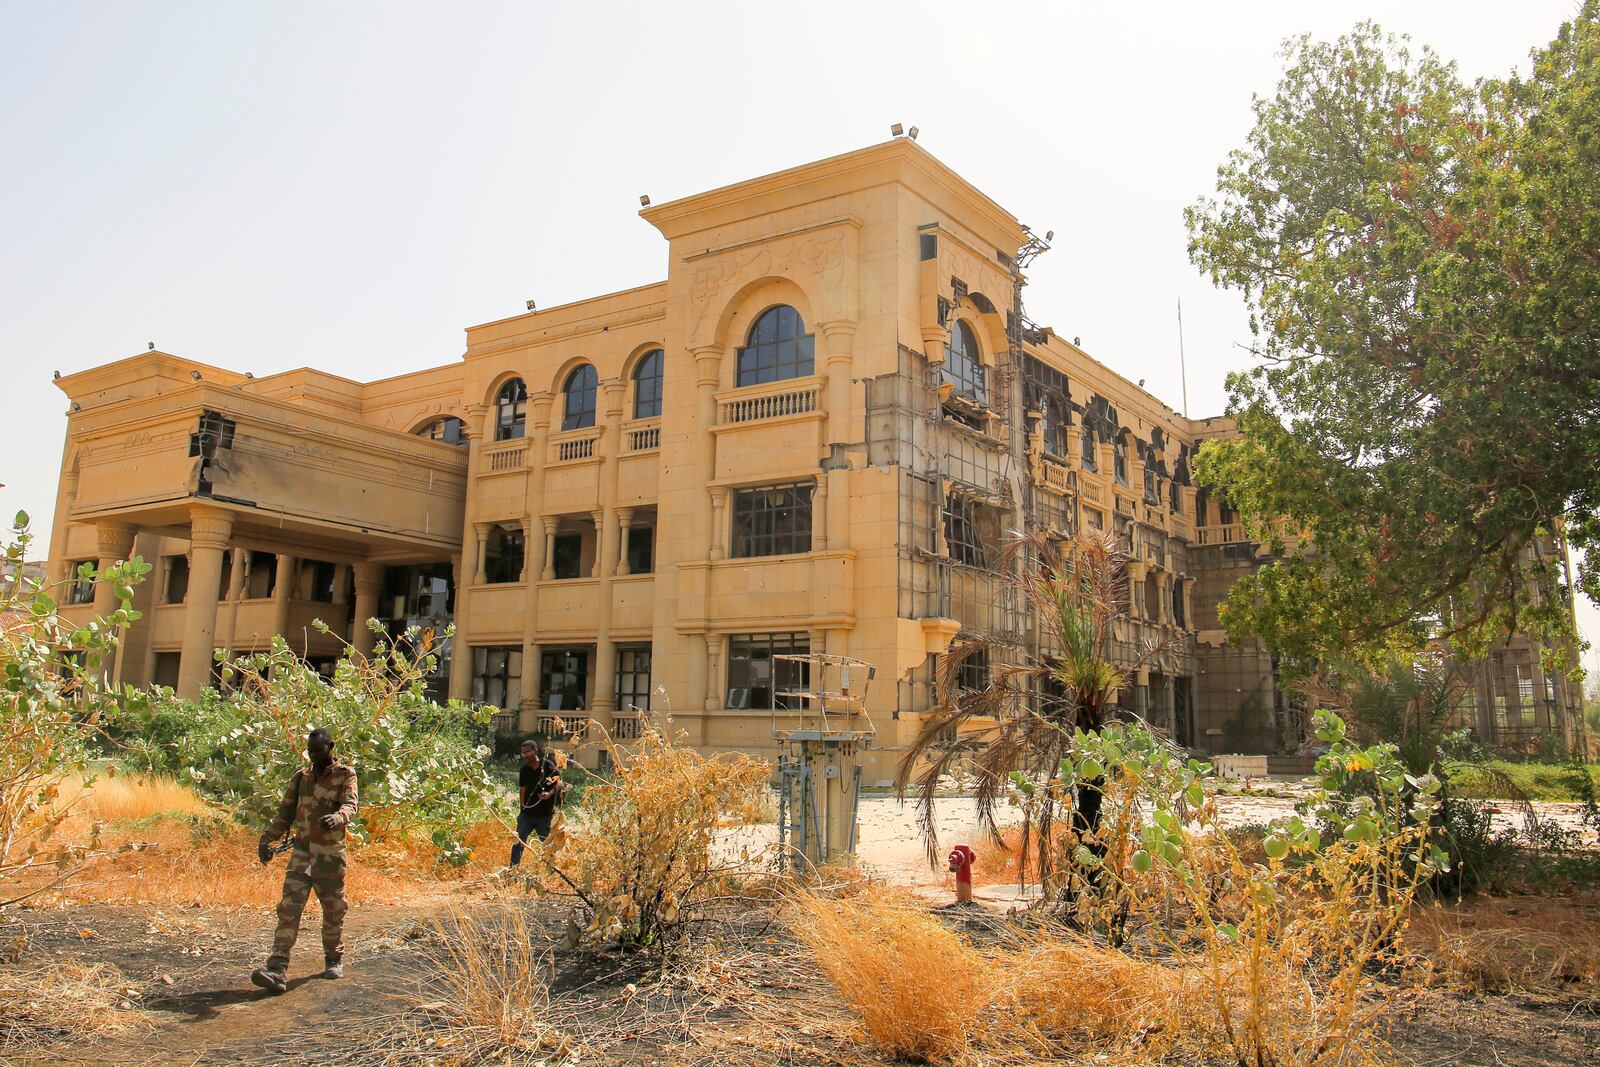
column 267, row 186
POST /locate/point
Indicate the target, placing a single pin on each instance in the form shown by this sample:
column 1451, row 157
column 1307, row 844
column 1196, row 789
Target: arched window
column 963, row 368
column 647, row 386
column 511, row 410
column 446, row 428
column 776, row 348
column 582, row 384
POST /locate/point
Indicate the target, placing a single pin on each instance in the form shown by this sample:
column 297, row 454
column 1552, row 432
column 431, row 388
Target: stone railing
column 644, row 439
column 1092, row 491
column 577, row 444
column 507, row 457
column 1220, row 535
column 799, row 396
column 1057, row 477
column 627, row 727
column 562, row 726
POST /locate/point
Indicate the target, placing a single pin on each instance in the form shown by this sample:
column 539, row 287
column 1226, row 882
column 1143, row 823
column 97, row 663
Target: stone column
column 714, row 693
column 819, row 514
column 837, row 336
column 114, row 544
column 1134, row 575
column 209, row 532
column 1141, row 693
column 624, row 524
column 467, row 565
column 341, row 583
column 481, row 575
column 283, row 580
column 164, row 590
column 528, row 548
column 719, row 523
column 549, row 548
column 238, row 574
column 708, row 378
column 1164, row 592
column 601, row 545
column 369, row 586
column 1188, row 604
column 1172, row 707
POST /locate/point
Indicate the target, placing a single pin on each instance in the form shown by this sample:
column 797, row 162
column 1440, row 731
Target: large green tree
column 1421, row 260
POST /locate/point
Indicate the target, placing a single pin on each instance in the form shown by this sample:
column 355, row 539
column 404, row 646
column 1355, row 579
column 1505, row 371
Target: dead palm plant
column 1023, row 720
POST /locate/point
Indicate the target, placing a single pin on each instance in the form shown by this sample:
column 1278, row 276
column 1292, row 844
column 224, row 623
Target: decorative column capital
column 550, row 524
column 540, row 403
column 611, row 390
column 838, row 328
column 210, row 527
column 719, row 496
column 935, row 339
column 708, row 364
column 368, row 579
column 114, row 540
column 625, row 516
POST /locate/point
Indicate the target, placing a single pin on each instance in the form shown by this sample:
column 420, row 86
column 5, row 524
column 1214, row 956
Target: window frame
column 788, row 643
column 629, row 671
column 440, row 429
column 1119, row 459
column 964, row 370
column 1088, row 455
column 508, row 656
column 788, row 524
column 647, row 386
column 511, row 410
column 765, row 359
column 580, row 398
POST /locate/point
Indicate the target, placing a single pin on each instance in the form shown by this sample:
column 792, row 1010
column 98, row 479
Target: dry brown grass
column 64, row 1000
column 490, row 992
column 195, row 856
column 1530, row 944
column 917, row 987
column 116, row 799
column 1114, row 997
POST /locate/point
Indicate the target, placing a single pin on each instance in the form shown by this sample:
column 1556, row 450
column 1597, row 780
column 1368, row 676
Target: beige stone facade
column 812, row 436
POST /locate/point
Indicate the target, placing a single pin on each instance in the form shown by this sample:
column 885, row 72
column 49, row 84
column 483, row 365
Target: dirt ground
column 751, row 998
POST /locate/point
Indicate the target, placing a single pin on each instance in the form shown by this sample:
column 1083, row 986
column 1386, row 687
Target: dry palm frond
column 1023, row 720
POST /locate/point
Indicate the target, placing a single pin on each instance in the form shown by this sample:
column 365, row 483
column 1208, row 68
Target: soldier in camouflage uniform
column 318, row 804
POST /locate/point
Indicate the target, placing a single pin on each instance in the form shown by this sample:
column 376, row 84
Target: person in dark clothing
column 539, row 789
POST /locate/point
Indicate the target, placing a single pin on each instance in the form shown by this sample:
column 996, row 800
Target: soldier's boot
column 270, row 980
column 334, row 968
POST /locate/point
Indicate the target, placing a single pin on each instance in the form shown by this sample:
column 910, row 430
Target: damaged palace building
column 812, row 436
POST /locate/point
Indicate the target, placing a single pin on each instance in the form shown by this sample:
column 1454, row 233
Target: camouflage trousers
column 324, row 875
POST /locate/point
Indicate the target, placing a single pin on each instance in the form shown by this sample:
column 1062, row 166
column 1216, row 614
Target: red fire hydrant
column 961, row 860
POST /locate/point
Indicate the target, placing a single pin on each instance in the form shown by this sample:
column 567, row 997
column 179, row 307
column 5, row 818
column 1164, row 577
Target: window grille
column 647, row 386
column 963, row 364
column 772, row 521
column 633, row 679
column 511, row 411
column 755, row 679
column 777, row 348
column 580, row 391
column 497, row 676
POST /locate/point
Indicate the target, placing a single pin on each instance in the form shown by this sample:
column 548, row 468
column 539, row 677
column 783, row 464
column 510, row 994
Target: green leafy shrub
column 51, row 699
column 421, row 766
